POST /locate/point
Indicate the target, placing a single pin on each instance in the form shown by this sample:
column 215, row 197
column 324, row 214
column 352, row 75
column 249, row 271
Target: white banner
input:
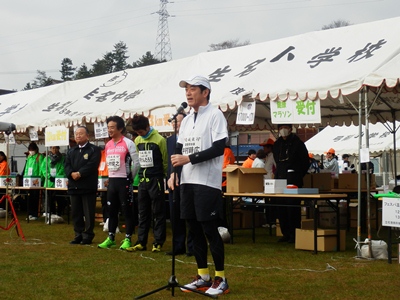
column 33, row 134
column 56, row 136
column 298, row 112
column 245, row 113
column 100, row 130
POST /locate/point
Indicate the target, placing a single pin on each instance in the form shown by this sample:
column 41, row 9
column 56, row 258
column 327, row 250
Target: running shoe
column 108, row 243
column 198, row 284
column 218, row 287
column 126, row 243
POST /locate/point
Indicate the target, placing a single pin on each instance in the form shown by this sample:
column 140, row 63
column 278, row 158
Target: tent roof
column 332, row 65
column 344, row 139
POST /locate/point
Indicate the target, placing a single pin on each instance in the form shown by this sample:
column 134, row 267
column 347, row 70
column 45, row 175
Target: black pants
column 201, row 233
column 289, row 217
column 180, row 236
column 151, row 205
column 83, row 209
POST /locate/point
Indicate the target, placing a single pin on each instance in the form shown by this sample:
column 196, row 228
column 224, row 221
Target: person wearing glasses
column 292, row 162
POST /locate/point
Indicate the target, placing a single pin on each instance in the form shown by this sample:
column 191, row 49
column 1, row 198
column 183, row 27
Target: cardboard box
column 278, row 231
column 324, row 181
column 101, row 182
column 32, row 181
column 350, row 181
column 259, row 219
column 8, row 180
column 307, row 224
column 237, row 218
column 61, row 182
column 244, row 180
column 353, row 207
column 307, row 181
column 326, row 241
column 274, row 186
column 327, row 215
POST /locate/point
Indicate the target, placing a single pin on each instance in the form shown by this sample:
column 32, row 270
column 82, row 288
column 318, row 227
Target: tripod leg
column 153, row 292
column 15, row 218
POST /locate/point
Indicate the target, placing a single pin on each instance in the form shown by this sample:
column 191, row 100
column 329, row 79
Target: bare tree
column 336, row 24
column 227, row 45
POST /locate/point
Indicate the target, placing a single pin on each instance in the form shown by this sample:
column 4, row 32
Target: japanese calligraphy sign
column 33, row 134
column 245, row 113
column 56, row 136
column 299, row 112
column 100, row 130
column 391, row 212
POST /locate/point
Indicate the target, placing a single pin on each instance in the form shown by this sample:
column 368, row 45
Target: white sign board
column 298, row 112
column 100, row 130
column 245, row 113
column 33, row 135
column 391, row 212
column 56, row 136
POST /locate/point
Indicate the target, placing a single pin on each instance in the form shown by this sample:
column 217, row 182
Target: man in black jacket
column 291, row 158
column 81, row 168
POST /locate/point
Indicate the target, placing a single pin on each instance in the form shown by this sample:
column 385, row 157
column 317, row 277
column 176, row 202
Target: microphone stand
column 172, row 281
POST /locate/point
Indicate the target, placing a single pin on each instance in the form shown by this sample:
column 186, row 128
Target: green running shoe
column 126, row 243
column 108, row 243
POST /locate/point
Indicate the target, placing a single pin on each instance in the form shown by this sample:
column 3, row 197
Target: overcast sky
column 37, row 35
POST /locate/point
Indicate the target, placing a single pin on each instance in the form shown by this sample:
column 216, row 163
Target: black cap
column 345, row 156
column 251, row 151
column 289, row 125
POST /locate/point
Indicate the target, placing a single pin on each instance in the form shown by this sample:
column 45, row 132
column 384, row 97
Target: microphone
column 178, row 111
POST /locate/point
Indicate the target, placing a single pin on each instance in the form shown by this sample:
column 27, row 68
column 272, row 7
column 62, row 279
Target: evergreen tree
column 120, row 57
column 82, row 72
column 336, row 24
column 99, row 67
column 146, row 60
column 227, row 45
column 41, row 80
column 67, row 69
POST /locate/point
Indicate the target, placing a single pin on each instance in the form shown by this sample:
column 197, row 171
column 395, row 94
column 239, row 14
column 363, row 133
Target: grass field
column 46, row 266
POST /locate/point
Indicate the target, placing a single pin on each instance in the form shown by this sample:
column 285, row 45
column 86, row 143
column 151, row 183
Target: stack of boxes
column 326, row 238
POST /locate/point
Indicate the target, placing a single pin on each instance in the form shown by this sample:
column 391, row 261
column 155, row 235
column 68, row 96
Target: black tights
column 201, row 233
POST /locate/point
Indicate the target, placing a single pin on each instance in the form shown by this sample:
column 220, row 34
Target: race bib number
column 53, row 172
column 146, row 159
column 30, row 171
column 191, row 145
column 113, row 162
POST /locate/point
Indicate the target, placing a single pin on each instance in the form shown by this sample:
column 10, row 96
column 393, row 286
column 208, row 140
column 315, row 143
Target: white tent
column 331, row 65
column 344, row 139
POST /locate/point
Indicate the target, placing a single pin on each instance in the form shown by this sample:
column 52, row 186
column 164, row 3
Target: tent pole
column 367, row 175
column 394, row 146
column 360, row 97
